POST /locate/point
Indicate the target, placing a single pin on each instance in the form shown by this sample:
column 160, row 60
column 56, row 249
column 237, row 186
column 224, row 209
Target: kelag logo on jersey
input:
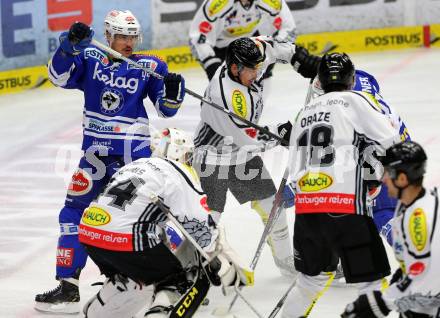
column 129, row 84
column 239, row 103
column 112, row 101
column 95, row 216
column 312, row 182
column 97, row 55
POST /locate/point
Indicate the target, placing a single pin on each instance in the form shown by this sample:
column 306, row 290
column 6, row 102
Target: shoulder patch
column 239, row 103
column 418, row 229
column 96, row 54
column 214, row 7
column 145, row 62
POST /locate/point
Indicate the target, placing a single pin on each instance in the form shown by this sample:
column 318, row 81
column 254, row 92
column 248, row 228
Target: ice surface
column 41, row 135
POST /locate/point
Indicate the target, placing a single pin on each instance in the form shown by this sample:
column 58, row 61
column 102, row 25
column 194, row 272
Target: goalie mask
column 173, row 144
column 123, row 23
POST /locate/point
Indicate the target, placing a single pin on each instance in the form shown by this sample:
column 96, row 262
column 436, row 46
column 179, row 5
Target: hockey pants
column 86, row 183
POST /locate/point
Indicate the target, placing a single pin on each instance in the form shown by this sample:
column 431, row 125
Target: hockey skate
column 63, row 299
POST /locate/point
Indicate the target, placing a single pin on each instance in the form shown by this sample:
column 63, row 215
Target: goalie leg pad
column 119, row 297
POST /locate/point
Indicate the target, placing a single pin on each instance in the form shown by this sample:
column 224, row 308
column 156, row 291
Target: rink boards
column 396, row 38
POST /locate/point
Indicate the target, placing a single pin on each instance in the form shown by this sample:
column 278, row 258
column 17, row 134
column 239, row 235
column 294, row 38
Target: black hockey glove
column 210, row 70
column 174, row 90
column 77, row 39
column 369, row 305
column 284, row 131
column 305, row 63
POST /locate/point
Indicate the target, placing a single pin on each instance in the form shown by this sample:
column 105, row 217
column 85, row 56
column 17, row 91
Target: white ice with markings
column 41, row 135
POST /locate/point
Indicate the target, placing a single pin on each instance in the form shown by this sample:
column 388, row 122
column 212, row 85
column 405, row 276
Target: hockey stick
column 190, row 92
column 194, row 297
column 273, row 216
column 157, row 201
column 281, row 301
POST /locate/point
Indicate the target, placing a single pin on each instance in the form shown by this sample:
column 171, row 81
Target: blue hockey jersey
column 366, row 82
column 114, row 119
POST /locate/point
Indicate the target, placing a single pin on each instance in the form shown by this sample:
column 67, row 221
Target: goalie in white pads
column 226, row 153
column 123, row 233
column 219, row 22
column 415, row 288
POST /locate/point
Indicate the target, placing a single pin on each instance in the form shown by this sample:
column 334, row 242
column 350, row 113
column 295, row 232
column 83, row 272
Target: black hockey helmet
column 407, row 157
column 244, row 52
column 336, row 72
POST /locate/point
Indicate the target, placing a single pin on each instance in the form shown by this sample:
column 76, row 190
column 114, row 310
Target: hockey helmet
column 407, row 157
column 173, row 144
column 336, row 70
column 244, row 52
column 122, row 22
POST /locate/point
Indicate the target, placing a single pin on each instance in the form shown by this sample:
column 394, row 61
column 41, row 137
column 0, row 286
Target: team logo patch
column 417, row 229
column 95, row 216
column 216, row 6
column 239, row 103
column 65, row 257
column 112, row 101
column 312, row 182
column 198, row 230
column 417, row 268
column 205, row 27
column 80, row 184
column 277, row 23
column 274, row 4
column 146, row 63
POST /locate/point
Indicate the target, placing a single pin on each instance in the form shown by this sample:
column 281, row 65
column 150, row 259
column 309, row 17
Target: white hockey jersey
column 416, row 244
column 123, row 218
column 332, row 138
column 218, row 22
column 222, row 139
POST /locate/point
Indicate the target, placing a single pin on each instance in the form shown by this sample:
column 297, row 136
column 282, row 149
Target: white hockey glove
column 228, row 269
column 285, row 36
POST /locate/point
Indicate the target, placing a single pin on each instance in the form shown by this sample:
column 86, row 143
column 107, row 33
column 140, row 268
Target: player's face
column 245, row 75
column 392, row 190
column 124, row 44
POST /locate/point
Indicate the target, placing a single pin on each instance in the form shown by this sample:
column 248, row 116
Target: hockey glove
column 211, row 69
column 369, row 305
column 227, row 268
column 174, row 90
column 77, row 39
column 284, row 131
column 285, row 36
column 263, row 136
column 305, row 63
column 288, row 196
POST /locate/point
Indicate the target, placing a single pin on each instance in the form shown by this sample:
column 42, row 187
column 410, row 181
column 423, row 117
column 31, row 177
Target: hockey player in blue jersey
column 115, row 129
column 307, row 65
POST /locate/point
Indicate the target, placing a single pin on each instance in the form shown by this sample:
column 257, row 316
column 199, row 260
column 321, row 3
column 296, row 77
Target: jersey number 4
column 123, row 193
column 315, row 146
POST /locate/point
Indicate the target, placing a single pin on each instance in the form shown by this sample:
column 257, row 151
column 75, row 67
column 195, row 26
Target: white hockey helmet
column 122, row 22
column 173, row 144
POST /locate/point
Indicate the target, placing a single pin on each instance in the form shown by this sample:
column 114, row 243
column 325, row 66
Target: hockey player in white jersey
column 332, row 138
column 226, row 154
column 123, row 232
column 415, row 288
column 219, row 22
